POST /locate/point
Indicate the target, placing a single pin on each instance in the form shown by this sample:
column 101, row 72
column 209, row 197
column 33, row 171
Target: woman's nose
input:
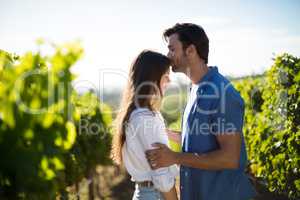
column 168, row 80
column 169, row 54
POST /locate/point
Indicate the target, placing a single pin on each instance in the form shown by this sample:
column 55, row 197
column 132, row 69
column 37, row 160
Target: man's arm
column 226, row 157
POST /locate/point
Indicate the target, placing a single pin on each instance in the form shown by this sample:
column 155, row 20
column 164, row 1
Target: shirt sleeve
column 154, row 131
column 229, row 116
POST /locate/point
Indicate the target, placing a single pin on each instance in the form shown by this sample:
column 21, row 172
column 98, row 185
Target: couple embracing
column 213, row 157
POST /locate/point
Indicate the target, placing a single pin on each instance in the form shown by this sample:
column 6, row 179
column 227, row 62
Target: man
column 213, row 156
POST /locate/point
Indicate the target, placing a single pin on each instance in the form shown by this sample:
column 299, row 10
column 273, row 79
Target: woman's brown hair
column 143, row 84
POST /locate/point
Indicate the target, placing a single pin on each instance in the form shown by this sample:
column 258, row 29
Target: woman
column 139, row 124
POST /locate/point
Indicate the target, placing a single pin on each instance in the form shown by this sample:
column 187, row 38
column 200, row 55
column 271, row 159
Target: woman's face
column 164, row 81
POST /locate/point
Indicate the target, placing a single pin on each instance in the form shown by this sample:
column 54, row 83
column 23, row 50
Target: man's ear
column 191, row 50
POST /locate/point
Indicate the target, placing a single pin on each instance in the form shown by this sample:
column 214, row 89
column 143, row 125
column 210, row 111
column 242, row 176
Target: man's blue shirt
column 218, row 109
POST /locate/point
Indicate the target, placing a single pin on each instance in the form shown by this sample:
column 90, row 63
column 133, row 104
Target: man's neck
column 197, row 71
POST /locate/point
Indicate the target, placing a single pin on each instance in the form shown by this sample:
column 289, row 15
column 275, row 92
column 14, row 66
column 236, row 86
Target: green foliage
column 176, row 126
column 92, row 146
column 272, row 125
column 40, row 115
column 171, row 106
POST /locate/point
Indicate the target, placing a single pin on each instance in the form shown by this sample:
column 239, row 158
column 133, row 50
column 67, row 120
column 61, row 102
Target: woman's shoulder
column 141, row 114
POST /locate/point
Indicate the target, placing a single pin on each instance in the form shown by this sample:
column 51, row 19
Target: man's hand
column 162, row 156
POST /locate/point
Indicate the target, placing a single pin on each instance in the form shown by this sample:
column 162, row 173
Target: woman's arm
column 174, row 135
column 171, row 195
column 163, row 178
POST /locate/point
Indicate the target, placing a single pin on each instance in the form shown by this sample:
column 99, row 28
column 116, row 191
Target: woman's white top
column 143, row 129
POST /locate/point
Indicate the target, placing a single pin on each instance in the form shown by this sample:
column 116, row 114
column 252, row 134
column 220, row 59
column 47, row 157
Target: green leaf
column 71, row 135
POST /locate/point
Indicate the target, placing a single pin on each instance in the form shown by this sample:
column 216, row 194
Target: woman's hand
column 175, row 136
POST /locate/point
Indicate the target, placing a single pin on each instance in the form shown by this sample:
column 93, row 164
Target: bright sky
column 244, row 34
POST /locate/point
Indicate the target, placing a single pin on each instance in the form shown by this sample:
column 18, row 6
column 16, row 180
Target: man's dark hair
column 188, row 34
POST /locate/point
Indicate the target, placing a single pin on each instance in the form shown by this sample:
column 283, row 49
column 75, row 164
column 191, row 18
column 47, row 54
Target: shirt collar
column 212, row 70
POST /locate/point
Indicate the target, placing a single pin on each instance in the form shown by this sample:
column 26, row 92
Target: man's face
column 177, row 54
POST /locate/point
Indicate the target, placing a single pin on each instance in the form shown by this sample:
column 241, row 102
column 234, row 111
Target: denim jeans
column 146, row 193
